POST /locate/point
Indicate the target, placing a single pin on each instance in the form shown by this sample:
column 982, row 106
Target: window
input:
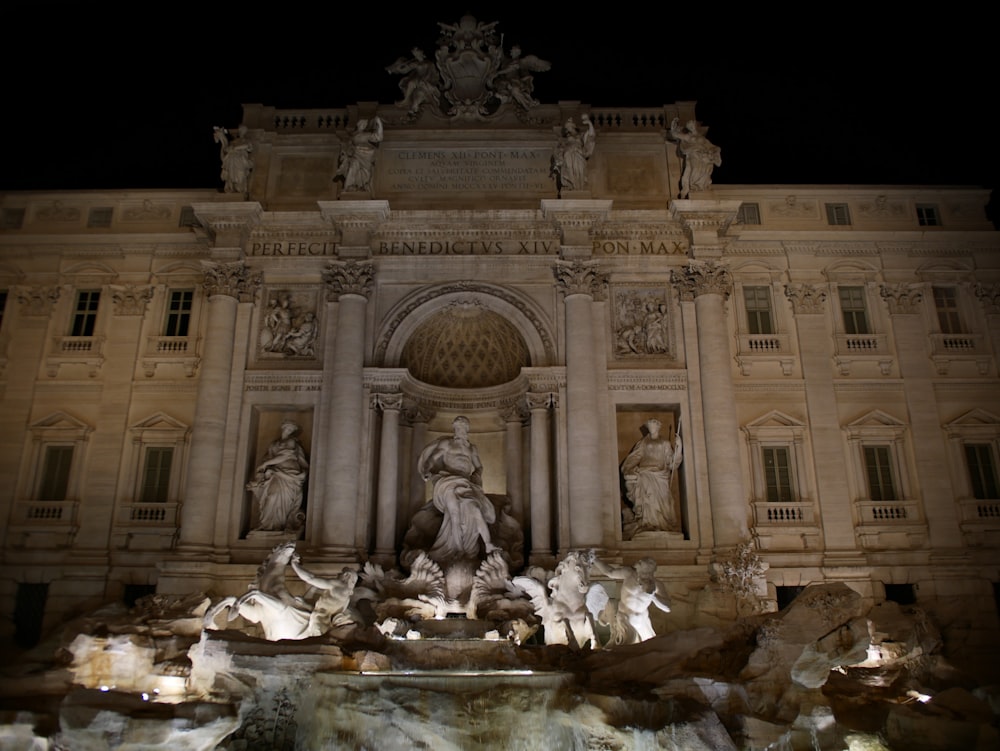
column 758, row 304
column 54, row 480
column 85, row 313
column 178, row 313
column 837, row 213
column 927, row 215
column 852, row 307
column 982, row 471
column 13, row 218
column 878, row 472
column 749, row 213
column 946, row 304
column 3, row 306
column 155, row 486
column 29, row 612
column 100, row 217
column 777, row 474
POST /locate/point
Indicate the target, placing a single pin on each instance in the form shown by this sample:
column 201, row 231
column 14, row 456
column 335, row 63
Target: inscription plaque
column 475, row 168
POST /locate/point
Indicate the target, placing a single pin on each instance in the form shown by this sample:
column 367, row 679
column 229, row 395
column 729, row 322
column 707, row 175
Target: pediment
column 61, row 426
column 159, row 421
column 877, row 419
column 776, row 419
column 975, row 418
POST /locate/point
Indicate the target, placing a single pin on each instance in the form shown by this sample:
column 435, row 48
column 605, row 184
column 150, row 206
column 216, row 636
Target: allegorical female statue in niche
column 648, row 471
column 278, row 482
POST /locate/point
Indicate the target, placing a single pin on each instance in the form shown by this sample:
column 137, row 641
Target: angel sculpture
column 567, row 614
column 513, row 80
column 420, row 80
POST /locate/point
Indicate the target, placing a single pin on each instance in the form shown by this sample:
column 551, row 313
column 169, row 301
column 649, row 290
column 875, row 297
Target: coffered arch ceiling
column 465, row 346
column 465, row 337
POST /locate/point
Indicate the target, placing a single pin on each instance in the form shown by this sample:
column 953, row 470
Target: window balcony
column 890, row 525
column 146, row 526
column 170, row 350
column 981, row 521
column 863, row 348
column 764, row 348
column 785, row 526
column 75, row 350
column 44, row 524
column 949, row 349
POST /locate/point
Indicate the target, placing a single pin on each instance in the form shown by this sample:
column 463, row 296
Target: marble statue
column 628, row 617
column 301, row 340
column 278, row 482
column 514, row 80
column 420, row 82
column 648, row 471
column 277, row 324
column 572, row 150
column 452, row 464
column 471, row 76
column 699, row 154
column 567, row 603
column 357, row 156
column 282, row 615
column 237, row 159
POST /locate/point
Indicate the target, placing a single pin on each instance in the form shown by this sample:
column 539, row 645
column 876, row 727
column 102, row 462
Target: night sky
column 116, row 97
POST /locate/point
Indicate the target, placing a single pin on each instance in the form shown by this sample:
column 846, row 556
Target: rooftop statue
column 699, row 154
column 237, row 162
column 471, row 77
column 572, row 150
column 357, row 156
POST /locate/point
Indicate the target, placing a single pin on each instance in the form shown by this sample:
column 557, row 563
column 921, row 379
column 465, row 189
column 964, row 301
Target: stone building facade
column 827, row 354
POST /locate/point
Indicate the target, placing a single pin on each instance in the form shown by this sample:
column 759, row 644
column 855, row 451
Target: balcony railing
column 784, row 514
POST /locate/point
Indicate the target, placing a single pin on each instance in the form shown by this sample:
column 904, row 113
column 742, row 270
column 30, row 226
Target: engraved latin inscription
column 474, row 168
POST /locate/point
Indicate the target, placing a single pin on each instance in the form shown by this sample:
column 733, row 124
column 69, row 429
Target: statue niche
column 461, row 525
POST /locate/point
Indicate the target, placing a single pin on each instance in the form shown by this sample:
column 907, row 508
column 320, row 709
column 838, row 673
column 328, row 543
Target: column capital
column 387, row 402
column 705, row 222
column 349, row 278
column 580, row 278
column 902, row 299
column 232, row 279
column 806, row 298
column 37, row 301
column 702, row 278
column 540, row 401
column 989, row 296
column 130, row 300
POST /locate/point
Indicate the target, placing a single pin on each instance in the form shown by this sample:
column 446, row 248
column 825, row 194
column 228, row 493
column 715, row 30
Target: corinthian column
column 349, row 284
column 580, row 283
column 387, row 509
column 226, row 284
column 541, row 485
column 709, row 285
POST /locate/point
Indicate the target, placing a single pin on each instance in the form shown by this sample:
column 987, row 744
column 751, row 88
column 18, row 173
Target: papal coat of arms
column 471, row 76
